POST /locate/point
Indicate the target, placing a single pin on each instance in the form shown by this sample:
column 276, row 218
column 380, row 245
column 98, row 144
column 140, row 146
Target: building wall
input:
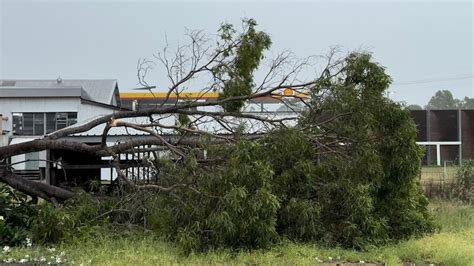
column 420, row 119
column 84, row 111
column 438, row 126
column 467, row 134
column 88, row 112
column 24, row 105
column 443, row 125
column 8, row 106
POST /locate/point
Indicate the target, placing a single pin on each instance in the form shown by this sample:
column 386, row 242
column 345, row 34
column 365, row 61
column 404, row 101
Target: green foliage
column 292, row 158
column 358, row 192
column 183, row 120
column 443, row 99
column 242, row 55
column 44, row 223
column 465, row 181
column 83, row 216
column 300, row 220
column 15, row 210
column 230, row 206
column 468, row 103
column 280, row 187
column 414, row 107
column 400, row 196
column 51, row 224
column 370, row 177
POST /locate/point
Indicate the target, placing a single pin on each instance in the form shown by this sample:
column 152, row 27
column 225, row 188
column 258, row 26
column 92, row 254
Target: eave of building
column 86, row 101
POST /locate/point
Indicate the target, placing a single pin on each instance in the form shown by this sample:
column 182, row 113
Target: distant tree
column 443, row 100
column 414, row 107
column 468, row 103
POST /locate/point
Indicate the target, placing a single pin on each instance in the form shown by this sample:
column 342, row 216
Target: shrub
column 230, row 206
column 301, row 220
column 79, row 217
column 51, row 224
column 464, row 181
column 277, row 187
column 15, row 210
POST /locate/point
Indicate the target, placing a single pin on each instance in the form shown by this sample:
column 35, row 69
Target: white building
column 30, row 109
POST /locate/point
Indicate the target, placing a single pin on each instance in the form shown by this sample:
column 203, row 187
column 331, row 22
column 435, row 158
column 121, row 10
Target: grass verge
column 453, row 245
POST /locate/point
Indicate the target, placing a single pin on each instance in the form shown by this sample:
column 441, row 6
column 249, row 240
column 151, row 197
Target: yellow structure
column 161, row 96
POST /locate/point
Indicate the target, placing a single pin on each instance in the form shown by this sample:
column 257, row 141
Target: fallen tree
column 345, row 175
column 343, row 170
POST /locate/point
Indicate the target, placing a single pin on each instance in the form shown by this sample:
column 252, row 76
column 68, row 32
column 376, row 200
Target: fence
column 438, row 181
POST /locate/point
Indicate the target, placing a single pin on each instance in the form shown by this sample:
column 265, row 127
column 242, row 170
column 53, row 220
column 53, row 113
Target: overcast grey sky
column 416, row 41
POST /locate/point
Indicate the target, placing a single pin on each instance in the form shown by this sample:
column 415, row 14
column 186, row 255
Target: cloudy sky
column 425, row 46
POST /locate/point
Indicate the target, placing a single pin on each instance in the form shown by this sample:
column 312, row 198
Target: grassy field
column 453, row 245
column 438, row 173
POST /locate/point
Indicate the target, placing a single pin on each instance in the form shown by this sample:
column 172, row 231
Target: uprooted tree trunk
column 34, row 188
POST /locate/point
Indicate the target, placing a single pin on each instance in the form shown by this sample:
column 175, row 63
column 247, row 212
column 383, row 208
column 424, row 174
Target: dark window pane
column 17, row 124
column 50, row 122
column 61, row 120
column 28, row 124
column 39, row 123
column 71, row 118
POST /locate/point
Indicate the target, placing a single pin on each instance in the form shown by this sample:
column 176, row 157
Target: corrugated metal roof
column 15, row 92
column 102, row 91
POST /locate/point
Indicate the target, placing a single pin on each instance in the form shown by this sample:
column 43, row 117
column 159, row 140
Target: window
column 17, row 124
column 50, row 122
column 37, row 124
column 71, row 118
column 61, row 120
column 28, row 124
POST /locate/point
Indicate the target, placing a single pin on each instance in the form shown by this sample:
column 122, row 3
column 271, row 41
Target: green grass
column 453, row 245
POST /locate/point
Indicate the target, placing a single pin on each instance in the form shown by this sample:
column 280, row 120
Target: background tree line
column 444, row 100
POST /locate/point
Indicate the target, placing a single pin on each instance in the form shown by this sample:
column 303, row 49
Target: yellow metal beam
column 197, row 95
column 173, row 95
